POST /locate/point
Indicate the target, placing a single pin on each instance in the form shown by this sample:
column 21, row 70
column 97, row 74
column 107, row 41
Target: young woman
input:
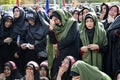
column 7, row 45
column 44, row 71
column 93, row 39
column 32, row 71
column 10, row 71
column 64, row 69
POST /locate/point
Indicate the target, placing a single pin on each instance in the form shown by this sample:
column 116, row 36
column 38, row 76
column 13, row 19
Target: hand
column 93, row 47
column 2, row 76
column 110, row 18
column 31, row 47
column 16, row 55
column 76, row 78
column 61, row 71
column 84, row 49
column 8, row 40
column 29, row 75
column 45, row 78
column 52, row 23
column 23, row 46
column 101, row 16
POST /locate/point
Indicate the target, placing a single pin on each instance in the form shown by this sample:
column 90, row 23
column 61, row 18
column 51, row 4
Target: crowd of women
column 82, row 44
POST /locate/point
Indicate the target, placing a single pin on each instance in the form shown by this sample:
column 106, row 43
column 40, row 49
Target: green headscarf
column 99, row 38
column 88, row 72
column 67, row 21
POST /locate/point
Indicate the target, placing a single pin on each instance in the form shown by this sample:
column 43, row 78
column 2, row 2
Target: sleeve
column 70, row 38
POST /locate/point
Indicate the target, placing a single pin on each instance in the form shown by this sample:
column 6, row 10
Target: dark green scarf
column 88, row 72
column 67, row 21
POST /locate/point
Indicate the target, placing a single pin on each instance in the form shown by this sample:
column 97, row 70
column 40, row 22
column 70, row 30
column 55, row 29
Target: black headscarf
column 41, row 27
column 14, row 72
column 6, row 16
column 107, row 10
column 20, row 24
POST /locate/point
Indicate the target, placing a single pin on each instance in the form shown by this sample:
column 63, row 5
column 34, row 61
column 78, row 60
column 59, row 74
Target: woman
column 112, row 14
column 104, row 12
column 113, row 58
column 32, row 71
column 94, row 40
column 83, row 71
column 64, row 69
column 6, row 41
column 11, row 71
column 35, row 39
column 117, row 75
column 20, row 30
column 67, row 35
column 44, row 71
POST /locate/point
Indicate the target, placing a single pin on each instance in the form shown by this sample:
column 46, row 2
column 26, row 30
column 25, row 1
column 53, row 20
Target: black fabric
column 6, row 50
column 113, row 58
column 69, row 46
column 15, row 74
column 90, row 33
column 36, row 35
column 56, row 15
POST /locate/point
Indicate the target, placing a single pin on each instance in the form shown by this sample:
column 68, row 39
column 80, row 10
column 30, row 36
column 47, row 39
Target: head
column 75, row 14
column 89, row 21
column 68, row 62
column 85, row 10
column 18, row 12
column 31, row 16
column 33, row 68
column 117, row 75
column 50, row 12
column 57, row 18
column 44, row 72
column 8, row 19
column 9, row 68
column 104, row 8
column 113, row 11
column 80, row 16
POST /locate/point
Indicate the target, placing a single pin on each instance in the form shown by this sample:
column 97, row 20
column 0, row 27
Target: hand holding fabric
column 93, row 47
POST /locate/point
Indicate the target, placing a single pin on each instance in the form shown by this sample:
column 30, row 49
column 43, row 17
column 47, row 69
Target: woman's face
column 31, row 22
column 85, row 11
column 75, row 15
column 89, row 23
column 118, row 76
column 113, row 12
column 7, row 71
column 80, row 17
column 57, row 21
column 29, row 71
column 8, row 23
column 43, row 72
column 104, row 9
column 16, row 13
column 65, row 64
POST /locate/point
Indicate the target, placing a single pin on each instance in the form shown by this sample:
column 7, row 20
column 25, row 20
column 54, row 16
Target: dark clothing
column 36, row 35
column 106, row 24
column 6, row 49
column 113, row 58
column 20, row 29
column 68, row 46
